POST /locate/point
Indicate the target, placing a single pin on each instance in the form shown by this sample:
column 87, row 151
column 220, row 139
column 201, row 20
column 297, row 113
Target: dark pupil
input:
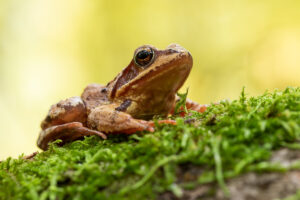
column 142, row 54
column 144, row 57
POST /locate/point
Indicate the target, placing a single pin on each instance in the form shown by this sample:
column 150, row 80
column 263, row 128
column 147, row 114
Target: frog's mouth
column 167, row 74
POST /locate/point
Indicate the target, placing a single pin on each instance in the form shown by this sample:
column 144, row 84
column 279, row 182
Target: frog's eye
column 144, row 57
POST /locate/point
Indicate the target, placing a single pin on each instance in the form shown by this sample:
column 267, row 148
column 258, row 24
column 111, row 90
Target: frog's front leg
column 108, row 119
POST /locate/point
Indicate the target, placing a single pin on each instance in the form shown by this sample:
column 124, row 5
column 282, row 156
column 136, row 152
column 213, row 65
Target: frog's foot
column 66, row 132
column 191, row 105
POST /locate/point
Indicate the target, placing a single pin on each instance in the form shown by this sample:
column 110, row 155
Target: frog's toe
column 148, row 125
column 139, row 125
column 191, row 105
column 66, row 132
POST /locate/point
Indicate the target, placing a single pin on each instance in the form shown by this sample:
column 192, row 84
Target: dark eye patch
column 123, row 107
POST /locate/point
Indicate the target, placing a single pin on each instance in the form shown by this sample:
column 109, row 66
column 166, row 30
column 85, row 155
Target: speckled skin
column 136, row 94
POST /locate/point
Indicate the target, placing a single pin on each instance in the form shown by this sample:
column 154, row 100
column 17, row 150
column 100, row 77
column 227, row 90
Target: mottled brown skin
column 146, row 87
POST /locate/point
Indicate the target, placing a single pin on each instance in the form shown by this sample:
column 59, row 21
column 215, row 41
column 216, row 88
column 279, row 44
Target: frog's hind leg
column 69, row 110
column 190, row 105
column 66, row 132
column 66, row 120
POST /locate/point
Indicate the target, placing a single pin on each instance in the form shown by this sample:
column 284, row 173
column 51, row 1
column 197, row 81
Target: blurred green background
column 51, row 49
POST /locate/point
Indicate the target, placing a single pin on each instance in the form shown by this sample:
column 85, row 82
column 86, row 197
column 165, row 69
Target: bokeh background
column 51, row 49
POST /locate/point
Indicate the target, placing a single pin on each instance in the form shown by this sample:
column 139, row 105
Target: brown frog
column 146, row 87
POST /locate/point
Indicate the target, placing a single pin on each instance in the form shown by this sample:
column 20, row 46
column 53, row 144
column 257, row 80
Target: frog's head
column 152, row 79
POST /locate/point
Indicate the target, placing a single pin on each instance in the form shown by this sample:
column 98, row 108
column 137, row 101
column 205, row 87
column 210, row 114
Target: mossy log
column 243, row 149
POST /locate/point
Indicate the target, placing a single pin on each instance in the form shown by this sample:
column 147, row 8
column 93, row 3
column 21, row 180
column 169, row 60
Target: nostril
column 172, row 51
column 177, row 48
column 104, row 90
column 173, row 45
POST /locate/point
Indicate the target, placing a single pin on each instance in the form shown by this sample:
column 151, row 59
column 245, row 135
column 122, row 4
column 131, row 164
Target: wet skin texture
column 146, row 87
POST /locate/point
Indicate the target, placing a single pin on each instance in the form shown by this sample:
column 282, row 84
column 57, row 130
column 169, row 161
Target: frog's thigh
column 106, row 119
column 66, row 132
column 65, row 111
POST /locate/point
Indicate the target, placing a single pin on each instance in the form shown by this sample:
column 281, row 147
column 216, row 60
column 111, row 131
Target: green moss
column 228, row 139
